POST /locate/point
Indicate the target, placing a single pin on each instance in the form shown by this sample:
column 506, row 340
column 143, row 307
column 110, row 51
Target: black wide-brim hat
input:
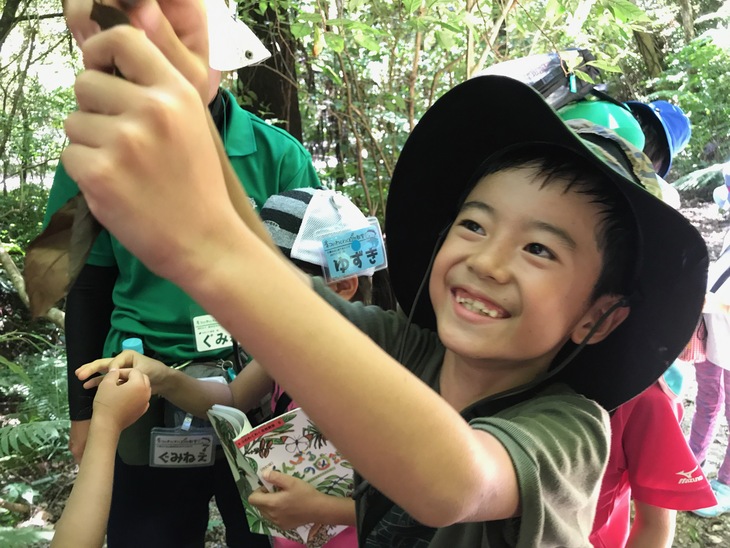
column 487, row 114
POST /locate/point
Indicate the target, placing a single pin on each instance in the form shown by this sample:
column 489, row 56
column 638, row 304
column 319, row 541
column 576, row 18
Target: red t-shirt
column 649, row 460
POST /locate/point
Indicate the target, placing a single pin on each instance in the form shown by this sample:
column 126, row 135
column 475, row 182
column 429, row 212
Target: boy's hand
column 291, row 504
column 177, row 27
column 122, row 398
column 155, row 370
column 140, row 148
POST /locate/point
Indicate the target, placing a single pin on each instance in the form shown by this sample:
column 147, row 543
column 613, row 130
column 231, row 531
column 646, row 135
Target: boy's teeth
column 477, row 306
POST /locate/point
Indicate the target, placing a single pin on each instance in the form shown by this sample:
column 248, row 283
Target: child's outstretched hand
column 122, row 398
column 294, row 503
column 128, row 359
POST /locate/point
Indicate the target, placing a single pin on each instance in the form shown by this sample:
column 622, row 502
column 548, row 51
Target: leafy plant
column 696, row 79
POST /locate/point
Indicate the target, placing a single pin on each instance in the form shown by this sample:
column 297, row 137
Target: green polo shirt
column 267, row 161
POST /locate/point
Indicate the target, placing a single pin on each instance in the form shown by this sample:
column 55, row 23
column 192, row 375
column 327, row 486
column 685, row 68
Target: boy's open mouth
column 480, row 307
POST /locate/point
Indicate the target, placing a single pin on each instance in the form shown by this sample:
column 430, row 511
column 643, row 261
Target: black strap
column 721, row 280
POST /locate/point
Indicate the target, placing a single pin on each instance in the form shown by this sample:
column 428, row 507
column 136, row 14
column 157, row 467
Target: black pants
column 168, row 507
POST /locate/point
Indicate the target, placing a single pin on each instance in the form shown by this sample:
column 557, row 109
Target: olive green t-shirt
column 558, row 442
column 267, row 161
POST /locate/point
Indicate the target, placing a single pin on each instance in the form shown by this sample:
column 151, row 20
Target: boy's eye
column 539, row 250
column 471, row 226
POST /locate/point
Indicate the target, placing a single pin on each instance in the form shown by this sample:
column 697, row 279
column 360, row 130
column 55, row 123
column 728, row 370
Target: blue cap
column 671, row 123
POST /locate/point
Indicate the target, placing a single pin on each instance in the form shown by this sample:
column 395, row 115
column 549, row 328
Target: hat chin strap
column 426, row 275
column 621, row 303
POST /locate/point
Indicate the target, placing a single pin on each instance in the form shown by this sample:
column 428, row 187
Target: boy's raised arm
column 142, row 155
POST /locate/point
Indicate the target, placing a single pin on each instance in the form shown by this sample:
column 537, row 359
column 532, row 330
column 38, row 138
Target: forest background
column 349, row 78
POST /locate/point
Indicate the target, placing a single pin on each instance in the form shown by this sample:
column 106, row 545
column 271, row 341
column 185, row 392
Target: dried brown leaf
column 55, row 258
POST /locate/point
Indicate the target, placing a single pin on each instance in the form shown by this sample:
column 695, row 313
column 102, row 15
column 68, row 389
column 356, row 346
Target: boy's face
column 513, row 279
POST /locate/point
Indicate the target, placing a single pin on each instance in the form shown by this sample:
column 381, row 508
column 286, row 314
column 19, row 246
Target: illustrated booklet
column 290, row 444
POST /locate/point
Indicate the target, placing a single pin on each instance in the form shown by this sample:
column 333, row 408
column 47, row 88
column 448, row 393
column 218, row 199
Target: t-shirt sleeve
column 384, row 327
column 662, row 469
column 559, row 448
column 298, row 172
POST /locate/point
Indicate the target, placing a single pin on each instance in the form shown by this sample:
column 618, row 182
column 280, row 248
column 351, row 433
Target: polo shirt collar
column 239, row 139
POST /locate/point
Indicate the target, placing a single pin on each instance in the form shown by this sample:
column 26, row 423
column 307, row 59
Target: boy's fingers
column 130, row 52
column 102, row 93
column 179, row 29
column 111, row 377
column 77, row 19
column 278, row 479
column 93, row 383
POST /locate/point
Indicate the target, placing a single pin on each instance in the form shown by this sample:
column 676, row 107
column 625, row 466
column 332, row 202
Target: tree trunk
column 650, row 52
column 687, row 16
column 273, row 84
column 7, row 19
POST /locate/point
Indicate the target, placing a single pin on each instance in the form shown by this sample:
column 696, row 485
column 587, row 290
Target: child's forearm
column 193, row 395
column 331, row 510
column 652, row 527
column 84, row 519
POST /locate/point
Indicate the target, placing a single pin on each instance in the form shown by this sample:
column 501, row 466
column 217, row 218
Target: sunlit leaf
column 412, row 5
column 334, row 41
column 604, row 66
column 366, row 41
column 299, row 30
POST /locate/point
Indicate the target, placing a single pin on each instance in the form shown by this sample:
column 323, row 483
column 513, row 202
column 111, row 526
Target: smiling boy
column 558, row 287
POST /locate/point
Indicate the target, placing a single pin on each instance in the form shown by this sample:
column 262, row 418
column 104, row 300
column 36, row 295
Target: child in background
column 650, row 461
column 713, row 380
column 123, row 396
column 295, row 220
column 561, row 284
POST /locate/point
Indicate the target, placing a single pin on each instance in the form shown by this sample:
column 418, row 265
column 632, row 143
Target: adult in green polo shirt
column 116, row 297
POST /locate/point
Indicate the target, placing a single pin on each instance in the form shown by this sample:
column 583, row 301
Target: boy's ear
column 596, row 311
column 345, row 288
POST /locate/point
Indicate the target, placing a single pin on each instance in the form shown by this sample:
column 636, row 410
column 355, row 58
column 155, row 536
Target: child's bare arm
column 250, row 386
column 652, row 526
column 192, row 395
column 121, row 399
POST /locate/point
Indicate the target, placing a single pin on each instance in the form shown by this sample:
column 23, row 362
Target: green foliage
column 33, row 422
column 21, row 216
column 23, row 537
column 33, row 432
column 697, row 79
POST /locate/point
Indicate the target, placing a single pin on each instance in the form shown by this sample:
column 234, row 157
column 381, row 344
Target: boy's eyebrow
column 539, row 225
column 555, row 231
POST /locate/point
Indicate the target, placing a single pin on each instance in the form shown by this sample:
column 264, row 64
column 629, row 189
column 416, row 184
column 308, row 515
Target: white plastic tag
column 174, row 448
column 209, row 335
column 354, row 252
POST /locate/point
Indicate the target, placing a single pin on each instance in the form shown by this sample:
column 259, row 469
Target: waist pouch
column 134, row 442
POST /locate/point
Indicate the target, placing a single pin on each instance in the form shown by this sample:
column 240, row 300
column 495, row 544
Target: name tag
column 174, row 448
column 209, row 335
column 354, row 252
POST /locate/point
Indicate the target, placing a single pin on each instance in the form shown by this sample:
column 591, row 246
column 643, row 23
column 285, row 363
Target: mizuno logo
column 687, row 476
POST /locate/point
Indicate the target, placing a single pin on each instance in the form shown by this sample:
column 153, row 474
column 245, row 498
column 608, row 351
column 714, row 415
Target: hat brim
column 487, row 114
column 650, row 117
